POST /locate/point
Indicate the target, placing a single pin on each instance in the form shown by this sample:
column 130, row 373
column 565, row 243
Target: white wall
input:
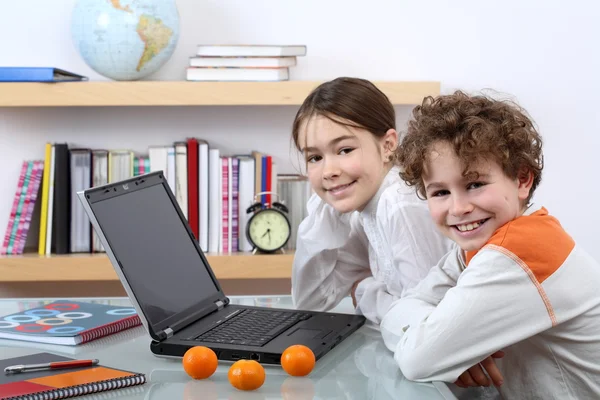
column 544, row 52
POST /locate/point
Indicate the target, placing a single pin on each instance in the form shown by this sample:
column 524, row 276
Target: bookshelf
column 85, row 274
column 183, row 93
column 97, row 267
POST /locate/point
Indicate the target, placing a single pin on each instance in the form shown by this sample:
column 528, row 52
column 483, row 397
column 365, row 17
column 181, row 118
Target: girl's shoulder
column 399, row 194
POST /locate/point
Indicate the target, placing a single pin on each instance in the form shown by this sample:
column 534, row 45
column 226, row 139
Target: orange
column 246, row 375
column 200, row 362
column 298, row 360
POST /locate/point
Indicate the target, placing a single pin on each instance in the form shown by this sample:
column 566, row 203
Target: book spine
column 44, row 210
column 15, row 229
column 61, row 228
column 235, row 204
column 192, row 182
column 33, row 195
column 109, row 329
column 225, row 204
column 86, row 388
column 13, row 211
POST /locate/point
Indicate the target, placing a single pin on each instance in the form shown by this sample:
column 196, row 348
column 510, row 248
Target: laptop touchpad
column 303, row 333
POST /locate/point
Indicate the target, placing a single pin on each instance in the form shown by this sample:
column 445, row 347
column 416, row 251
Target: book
column 38, row 74
column 45, row 197
column 67, row 322
column 61, row 226
column 61, row 383
column 247, row 50
column 242, row 62
column 237, row 74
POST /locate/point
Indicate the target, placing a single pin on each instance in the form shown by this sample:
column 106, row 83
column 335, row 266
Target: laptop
column 175, row 291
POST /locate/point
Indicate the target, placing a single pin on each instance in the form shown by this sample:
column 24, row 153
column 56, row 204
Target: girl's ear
column 389, row 142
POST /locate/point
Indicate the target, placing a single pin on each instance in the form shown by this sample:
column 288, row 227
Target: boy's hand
column 353, row 291
column 475, row 376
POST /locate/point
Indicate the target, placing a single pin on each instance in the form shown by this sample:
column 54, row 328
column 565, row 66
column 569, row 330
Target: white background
column 545, row 53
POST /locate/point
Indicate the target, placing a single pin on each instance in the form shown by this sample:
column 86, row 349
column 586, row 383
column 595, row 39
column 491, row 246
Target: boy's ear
column 525, row 181
column 390, row 143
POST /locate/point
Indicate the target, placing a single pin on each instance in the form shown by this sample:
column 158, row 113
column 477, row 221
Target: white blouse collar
column 390, row 178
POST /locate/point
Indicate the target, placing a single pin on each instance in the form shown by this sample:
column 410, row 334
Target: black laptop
column 175, row 291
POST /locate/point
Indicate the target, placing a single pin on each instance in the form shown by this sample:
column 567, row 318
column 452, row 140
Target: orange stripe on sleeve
column 538, row 240
column 532, row 277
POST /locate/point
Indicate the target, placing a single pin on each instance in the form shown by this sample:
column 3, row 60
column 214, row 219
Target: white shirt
column 393, row 243
column 530, row 291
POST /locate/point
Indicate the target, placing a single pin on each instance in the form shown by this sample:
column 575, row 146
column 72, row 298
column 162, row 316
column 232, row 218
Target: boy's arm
column 331, row 254
column 421, row 300
column 496, row 302
column 414, row 245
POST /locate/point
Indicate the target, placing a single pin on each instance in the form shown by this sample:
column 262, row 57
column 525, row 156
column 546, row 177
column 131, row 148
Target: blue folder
column 38, row 74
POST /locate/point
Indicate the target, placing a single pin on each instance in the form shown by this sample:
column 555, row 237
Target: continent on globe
column 154, row 34
column 117, row 4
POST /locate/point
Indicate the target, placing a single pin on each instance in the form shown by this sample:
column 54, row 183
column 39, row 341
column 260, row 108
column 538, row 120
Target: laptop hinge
column 167, row 333
column 219, row 304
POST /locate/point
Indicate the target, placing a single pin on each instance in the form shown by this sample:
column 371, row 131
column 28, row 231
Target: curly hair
column 477, row 127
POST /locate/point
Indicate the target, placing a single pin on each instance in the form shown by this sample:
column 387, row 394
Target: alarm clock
column 268, row 229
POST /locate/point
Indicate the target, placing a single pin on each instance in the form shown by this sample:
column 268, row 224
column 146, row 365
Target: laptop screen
column 156, row 253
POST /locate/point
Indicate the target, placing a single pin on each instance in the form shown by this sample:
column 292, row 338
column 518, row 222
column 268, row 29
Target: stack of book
column 243, row 62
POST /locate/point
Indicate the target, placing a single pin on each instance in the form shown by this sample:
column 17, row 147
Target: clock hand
column 267, row 232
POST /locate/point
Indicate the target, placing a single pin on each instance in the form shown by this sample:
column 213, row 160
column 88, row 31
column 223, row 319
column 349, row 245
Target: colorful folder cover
column 61, row 383
column 67, row 322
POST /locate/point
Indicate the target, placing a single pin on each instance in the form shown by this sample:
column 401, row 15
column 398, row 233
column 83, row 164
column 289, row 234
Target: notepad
column 61, row 383
column 67, row 322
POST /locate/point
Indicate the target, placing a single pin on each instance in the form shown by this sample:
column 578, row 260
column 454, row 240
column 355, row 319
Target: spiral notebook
column 61, row 383
column 67, row 322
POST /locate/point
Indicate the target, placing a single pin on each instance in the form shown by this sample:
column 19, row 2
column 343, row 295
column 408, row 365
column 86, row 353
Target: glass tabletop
column 360, row 367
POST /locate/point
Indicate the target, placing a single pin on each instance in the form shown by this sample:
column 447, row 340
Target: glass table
column 360, row 367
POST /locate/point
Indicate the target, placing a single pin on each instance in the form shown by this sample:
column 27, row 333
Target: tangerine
column 200, row 362
column 246, row 375
column 298, row 360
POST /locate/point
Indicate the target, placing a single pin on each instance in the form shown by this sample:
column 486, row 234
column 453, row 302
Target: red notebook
column 67, row 322
column 61, row 383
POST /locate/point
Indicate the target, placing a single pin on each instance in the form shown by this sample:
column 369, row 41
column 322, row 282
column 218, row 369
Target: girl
column 366, row 234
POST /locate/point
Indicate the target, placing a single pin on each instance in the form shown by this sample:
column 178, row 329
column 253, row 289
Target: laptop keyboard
column 252, row 327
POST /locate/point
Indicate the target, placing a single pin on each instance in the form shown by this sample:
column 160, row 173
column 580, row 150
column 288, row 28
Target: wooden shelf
column 97, row 268
column 183, row 93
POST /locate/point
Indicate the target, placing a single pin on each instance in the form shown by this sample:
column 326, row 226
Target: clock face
column 268, row 230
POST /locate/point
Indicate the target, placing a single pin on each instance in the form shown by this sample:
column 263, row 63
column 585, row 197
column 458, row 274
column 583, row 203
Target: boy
column 518, row 283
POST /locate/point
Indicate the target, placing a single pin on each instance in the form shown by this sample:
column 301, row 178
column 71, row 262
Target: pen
column 50, row 365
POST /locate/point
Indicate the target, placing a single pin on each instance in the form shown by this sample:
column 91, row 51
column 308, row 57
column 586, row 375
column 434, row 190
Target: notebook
column 67, row 322
column 61, row 383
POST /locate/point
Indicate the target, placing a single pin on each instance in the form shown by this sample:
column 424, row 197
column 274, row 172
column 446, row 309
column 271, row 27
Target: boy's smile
column 469, row 209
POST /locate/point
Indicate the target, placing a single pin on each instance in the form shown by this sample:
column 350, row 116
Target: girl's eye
column 313, row 159
column 475, row 185
column 346, row 150
column 440, row 193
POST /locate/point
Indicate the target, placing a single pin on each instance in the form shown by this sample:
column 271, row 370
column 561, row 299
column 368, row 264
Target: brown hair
column 477, row 127
column 348, row 101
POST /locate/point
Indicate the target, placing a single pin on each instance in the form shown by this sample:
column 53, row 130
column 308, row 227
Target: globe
column 125, row 39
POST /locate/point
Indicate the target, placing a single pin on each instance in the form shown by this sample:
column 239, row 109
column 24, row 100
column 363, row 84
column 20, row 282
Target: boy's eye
column 475, row 185
column 313, row 159
column 440, row 193
column 345, row 150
